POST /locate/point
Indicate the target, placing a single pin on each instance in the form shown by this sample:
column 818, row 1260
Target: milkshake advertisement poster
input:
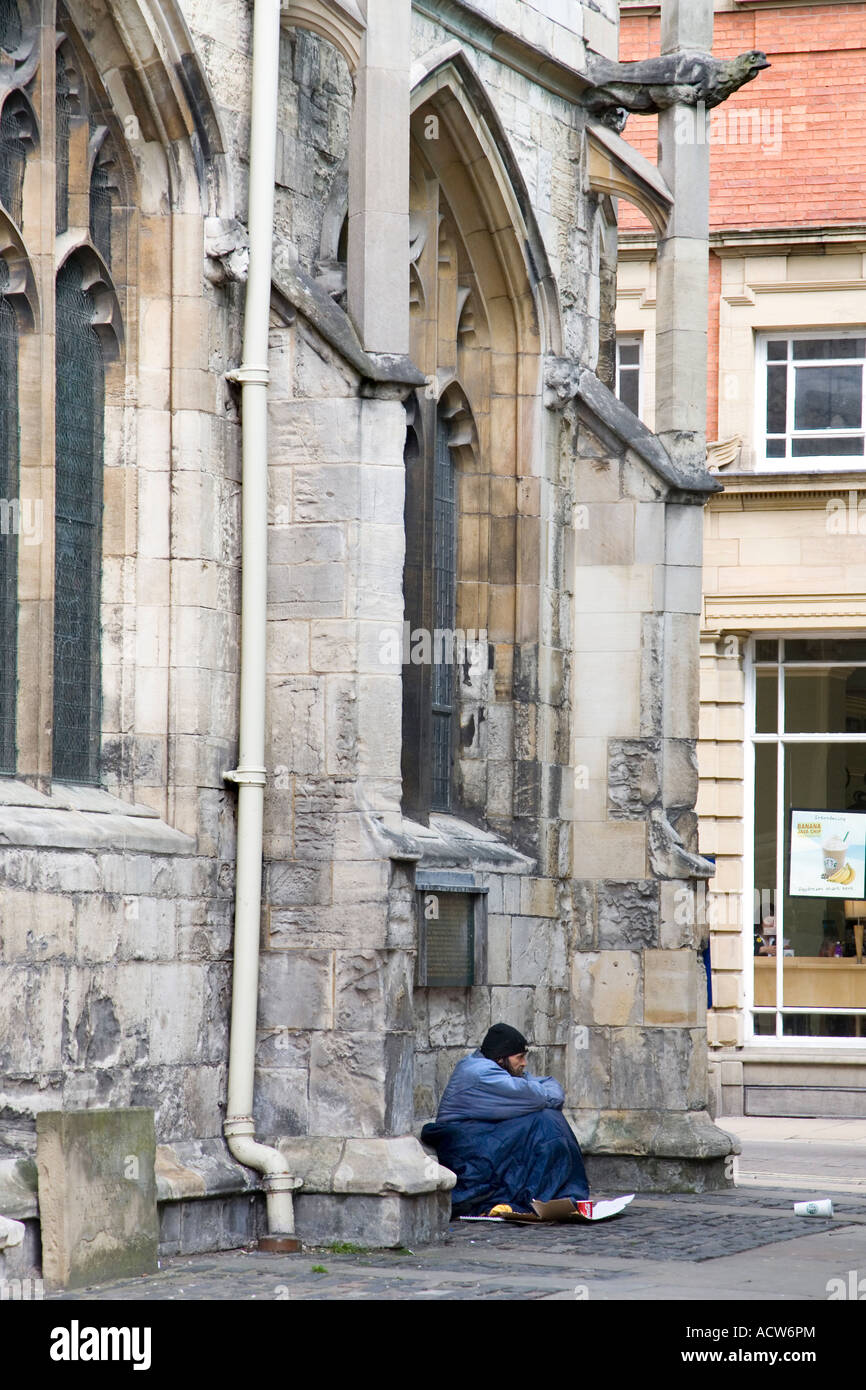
column 828, row 854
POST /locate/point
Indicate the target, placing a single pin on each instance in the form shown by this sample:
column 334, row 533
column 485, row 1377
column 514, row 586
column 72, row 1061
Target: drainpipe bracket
column 249, row 372
column 246, row 776
column 281, row 1182
column 239, row 1124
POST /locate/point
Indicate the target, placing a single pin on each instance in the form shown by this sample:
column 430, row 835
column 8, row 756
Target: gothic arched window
column 85, row 150
column 79, row 410
column 8, row 522
column 444, row 616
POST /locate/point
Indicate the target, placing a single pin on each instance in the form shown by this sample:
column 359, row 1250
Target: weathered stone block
column 295, row 989
column 538, row 952
column 376, row 1222
column 627, row 914
column 347, row 1084
column 634, row 777
column 280, row 1105
column 606, row 988
column 657, row 1069
column 97, row 1195
column 588, row 1068
column 671, row 993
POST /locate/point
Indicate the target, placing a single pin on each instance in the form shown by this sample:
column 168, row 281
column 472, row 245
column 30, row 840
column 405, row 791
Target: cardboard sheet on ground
column 563, row 1209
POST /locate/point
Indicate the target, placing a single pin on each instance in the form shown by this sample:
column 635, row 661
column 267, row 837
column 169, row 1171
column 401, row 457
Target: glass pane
column 766, row 702
column 13, row 158
column 777, row 352
column 444, row 616
column 775, row 448
column 777, row 399
column 10, row 26
column 629, row 354
column 812, row 349
column 824, row 649
column 764, row 913
column 767, row 649
column 765, row 1025
column 629, row 388
column 828, row 398
column 831, row 701
column 823, row 1025
column 828, row 446
column 822, row 935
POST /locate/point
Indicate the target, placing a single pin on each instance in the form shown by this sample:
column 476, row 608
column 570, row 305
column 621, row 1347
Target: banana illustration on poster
column 828, row 854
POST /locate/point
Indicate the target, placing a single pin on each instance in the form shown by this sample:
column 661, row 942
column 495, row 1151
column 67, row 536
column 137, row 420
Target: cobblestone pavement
column 743, row 1244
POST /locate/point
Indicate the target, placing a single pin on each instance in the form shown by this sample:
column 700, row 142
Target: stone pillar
column 378, row 263
column 681, row 321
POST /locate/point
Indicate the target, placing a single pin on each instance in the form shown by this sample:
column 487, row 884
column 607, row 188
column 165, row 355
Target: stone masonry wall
column 115, row 987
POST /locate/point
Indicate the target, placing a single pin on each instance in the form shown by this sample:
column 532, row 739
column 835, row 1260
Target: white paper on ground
column 564, row 1209
column 612, row 1207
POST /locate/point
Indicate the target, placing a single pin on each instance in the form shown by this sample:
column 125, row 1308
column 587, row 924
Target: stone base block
column 97, row 1195
column 199, row 1226
column 19, row 1263
column 376, row 1222
column 616, row 1174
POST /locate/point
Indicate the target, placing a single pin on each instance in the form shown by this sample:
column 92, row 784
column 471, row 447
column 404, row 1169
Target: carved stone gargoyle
column 657, row 83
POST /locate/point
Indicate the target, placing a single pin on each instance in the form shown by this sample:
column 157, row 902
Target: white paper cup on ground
column 822, row 1208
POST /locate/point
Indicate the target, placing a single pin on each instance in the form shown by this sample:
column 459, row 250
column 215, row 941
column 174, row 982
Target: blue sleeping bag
column 505, row 1138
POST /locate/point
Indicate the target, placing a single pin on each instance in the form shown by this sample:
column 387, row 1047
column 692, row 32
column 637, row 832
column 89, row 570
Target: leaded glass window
column 10, row 26
column 8, row 523
column 78, row 529
column 444, row 616
column 100, row 211
column 13, row 160
column 63, row 112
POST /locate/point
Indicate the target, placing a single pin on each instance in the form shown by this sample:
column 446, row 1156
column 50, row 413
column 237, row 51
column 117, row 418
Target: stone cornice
column 784, row 241
column 471, row 26
column 756, row 489
column 765, row 612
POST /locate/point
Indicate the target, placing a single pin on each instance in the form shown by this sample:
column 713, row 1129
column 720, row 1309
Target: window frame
column 781, row 738
column 630, row 340
column 820, row 462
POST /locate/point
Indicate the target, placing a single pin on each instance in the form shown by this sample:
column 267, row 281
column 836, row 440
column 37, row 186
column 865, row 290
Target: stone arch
column 143, row 56
column 479, row 169
column 339, row 21
column 107, row 322
column 21, row 289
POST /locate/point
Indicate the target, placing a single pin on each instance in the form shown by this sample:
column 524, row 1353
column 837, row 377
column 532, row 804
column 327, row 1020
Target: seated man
column 503, row 1133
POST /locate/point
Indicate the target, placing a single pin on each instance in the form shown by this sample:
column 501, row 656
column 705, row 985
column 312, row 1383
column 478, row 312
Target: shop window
column 811, row 399
column 809, row 838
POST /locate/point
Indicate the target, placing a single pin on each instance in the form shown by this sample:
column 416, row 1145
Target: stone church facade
column 495, row 825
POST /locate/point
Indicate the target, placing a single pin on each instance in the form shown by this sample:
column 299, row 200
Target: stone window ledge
column 450, row 842
column 80, row 817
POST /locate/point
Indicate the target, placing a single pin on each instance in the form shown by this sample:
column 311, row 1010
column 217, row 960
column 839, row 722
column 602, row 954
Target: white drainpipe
column 250, row 773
